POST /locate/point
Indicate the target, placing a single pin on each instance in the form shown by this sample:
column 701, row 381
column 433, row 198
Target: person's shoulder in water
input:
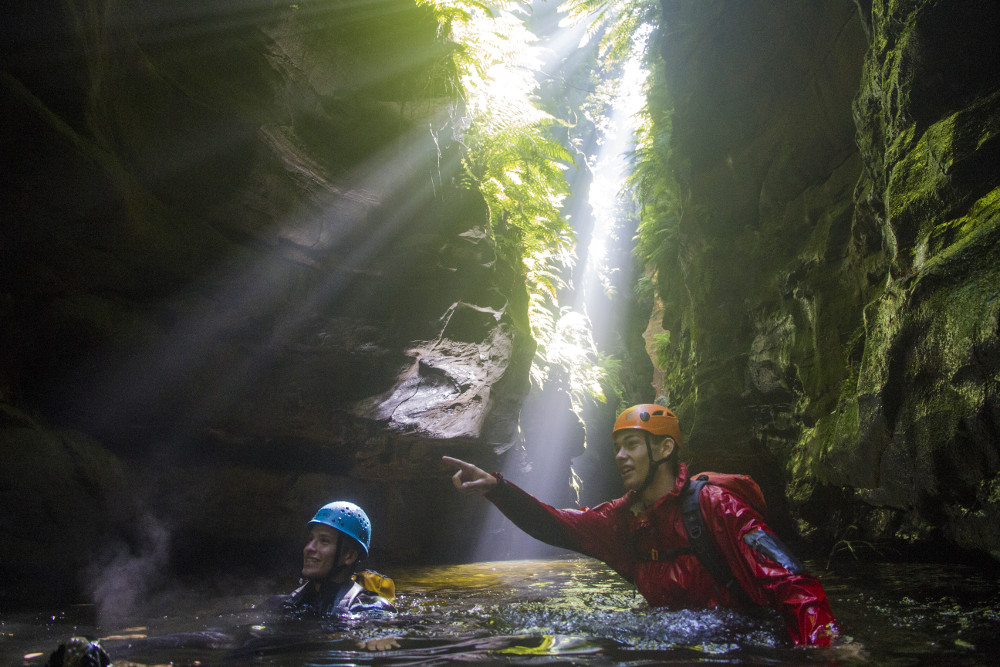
column 367, row 601
column 355, row 596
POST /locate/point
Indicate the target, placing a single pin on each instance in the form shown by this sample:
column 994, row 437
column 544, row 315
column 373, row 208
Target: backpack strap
column 702, row 543
column 346, row 599
column 657, row 555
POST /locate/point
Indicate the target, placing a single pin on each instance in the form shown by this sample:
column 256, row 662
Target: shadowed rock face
column 239, row 275
column 834, row 298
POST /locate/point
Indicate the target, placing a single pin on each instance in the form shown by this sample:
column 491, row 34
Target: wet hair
column 353, row 543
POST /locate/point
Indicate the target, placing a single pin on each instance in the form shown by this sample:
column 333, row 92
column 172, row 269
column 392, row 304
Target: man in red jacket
column 642, row 535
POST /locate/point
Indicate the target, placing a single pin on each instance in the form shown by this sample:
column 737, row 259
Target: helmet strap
column 337, row 566
column 653, row 463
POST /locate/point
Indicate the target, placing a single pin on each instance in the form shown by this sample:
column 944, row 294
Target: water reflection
column 572, row 611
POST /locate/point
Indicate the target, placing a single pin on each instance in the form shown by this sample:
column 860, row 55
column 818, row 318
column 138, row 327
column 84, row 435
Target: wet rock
column 839, row 310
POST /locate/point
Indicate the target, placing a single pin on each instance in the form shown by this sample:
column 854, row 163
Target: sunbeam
column 317, row 233
column 329, row 246
column 566, row 372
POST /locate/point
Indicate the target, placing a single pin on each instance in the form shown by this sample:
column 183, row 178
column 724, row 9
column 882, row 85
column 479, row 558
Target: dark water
column 540, row 612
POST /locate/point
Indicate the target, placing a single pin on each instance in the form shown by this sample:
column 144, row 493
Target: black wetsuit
column 334, row 600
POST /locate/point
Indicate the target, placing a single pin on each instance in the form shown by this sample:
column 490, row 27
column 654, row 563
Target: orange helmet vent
column 652, row 418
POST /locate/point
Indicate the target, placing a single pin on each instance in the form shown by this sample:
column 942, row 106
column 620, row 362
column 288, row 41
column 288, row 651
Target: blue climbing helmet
column 349, row 519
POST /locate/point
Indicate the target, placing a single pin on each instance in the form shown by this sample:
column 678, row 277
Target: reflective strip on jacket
column 627, row 541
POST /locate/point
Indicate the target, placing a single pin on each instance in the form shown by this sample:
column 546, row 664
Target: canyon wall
column 833, row 298
column 241, row 278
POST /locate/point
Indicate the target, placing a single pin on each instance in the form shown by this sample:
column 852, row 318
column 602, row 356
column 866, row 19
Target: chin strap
column 653, row 464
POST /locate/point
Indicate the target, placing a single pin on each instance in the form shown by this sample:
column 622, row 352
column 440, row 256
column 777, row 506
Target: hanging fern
column 511, row 157
column 521, row 176
column 615, row 22
column 651, row 181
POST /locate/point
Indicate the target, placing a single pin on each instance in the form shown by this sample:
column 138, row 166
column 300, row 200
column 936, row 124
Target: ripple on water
column 543, row 611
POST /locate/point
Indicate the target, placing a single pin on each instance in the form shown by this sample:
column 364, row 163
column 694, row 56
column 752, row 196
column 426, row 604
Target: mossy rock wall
column 922, row 410
column 834, row 305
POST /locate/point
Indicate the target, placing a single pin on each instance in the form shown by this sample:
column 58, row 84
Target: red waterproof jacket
column 637, row 544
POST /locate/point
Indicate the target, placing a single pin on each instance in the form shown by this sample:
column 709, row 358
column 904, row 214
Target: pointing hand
column 469, row 478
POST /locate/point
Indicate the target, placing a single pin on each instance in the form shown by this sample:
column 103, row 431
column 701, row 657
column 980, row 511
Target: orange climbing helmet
column 651, row 418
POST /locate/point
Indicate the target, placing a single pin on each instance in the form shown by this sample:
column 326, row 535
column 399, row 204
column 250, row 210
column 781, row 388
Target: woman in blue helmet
column 339, row 538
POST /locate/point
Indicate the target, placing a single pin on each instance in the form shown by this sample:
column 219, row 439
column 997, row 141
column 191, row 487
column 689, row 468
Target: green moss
column 956, row 318
column 917, row 179
column 951, row 236
column 902, row 144
column 880, row 521
column 806, row 530
column 914, row 534
column 882, row 322
column 942, row 178
column 990, row 490
column 800, row 489
column 973, row 523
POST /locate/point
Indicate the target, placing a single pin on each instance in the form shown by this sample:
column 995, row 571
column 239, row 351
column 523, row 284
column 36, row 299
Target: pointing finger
column 457, row 463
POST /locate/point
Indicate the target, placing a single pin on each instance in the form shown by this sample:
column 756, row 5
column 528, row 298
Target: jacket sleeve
column 768, row 578
column 592, row 532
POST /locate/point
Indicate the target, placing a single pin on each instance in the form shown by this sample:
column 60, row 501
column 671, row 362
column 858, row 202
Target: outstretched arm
column 591, row 532
column 532, row 516
column 470, row 479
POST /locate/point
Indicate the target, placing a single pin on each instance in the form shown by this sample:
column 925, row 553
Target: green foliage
column 661, row 347
column 644, row 289
column 622, row 26
column 612, row 380
column 616, row 21
column 517, row 165
column 655, row 190
column 511, row 157
column 520, row 174
column 565, row 345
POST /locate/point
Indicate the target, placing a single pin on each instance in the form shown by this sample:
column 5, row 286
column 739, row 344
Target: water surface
column 554, row 611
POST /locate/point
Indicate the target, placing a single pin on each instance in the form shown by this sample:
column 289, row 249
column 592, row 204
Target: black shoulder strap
column 702, row 544
column 347, row 598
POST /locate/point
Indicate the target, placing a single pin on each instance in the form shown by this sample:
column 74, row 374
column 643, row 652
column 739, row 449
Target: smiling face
column 321, row 550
